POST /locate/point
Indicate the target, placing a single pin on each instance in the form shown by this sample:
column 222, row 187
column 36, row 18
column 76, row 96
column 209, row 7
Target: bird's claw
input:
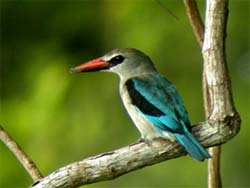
column 142, row 140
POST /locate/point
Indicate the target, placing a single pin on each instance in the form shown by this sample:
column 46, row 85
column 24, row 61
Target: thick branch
column 216, row 17
column 214, row 178
column 113, row 164
column 215, row 69
column 27, row 163
column 218, row 100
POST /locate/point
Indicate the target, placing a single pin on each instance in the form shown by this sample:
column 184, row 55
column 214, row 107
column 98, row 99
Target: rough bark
column 113, row 164
column 218, row 95
column 214, row 177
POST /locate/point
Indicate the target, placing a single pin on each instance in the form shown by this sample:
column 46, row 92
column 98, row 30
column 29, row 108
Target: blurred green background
column 58, row 117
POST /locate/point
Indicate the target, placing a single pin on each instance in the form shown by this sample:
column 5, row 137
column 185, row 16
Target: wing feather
column 159, row 101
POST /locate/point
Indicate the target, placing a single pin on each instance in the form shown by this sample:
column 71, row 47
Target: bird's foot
column 142, row 140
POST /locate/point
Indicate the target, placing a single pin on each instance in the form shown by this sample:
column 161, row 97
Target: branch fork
column 223, row 122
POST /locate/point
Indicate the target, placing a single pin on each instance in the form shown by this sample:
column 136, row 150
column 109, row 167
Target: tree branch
column 198, row 29
column 214, row 177
column 113, row 164
column 27, row 163
column 195, row 20
column 215, row 69
column 220, row 88
column 216, row 18
column 223, row 122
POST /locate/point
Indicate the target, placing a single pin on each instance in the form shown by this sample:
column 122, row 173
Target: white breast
column 147, row 130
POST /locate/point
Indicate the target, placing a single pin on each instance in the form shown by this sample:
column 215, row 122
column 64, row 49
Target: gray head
column 126, row 62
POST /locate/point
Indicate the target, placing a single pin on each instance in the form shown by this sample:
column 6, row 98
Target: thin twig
column 195, row 20
column 27, row 163
column 214, row 177
column 166, row 9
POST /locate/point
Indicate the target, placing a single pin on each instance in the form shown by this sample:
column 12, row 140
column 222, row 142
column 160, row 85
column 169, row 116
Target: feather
column 160, row 103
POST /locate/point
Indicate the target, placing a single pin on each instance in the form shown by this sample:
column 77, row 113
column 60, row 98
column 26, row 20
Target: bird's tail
column 192, row 146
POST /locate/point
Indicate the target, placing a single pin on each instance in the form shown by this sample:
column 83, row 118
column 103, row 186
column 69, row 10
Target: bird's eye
column 117, row 60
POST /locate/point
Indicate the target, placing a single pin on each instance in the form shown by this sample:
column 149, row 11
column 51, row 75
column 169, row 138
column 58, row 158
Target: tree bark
column 214, row 177
column 217, row 87
column 113, row 164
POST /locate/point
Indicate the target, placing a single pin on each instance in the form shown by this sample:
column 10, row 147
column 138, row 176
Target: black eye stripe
column 116, row 60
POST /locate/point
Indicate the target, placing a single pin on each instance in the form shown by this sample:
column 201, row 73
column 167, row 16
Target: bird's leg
column 142, row 140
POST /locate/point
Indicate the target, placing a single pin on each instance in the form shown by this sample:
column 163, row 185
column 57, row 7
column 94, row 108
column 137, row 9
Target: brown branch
column 214, row 177
column 113, row 164
column 27, row 163
column 195, row 20
column 198, row 29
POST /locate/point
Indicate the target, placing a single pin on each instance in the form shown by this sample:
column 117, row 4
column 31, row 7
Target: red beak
column 93, row 65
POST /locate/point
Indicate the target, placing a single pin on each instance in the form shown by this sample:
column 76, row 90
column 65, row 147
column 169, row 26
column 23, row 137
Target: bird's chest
column 147, row 129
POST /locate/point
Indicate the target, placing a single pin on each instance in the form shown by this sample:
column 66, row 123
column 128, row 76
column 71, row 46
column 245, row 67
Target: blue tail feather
column 192, row 146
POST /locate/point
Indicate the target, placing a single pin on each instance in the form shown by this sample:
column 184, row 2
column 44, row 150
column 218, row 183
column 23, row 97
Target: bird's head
column 126, row 62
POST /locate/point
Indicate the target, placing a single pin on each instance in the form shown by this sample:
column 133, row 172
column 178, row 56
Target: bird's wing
column 159, row 101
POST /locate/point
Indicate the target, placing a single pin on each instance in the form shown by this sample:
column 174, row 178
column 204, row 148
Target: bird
column 151, row 100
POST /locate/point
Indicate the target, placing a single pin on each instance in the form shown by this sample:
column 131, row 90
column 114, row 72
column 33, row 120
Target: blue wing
column 160, row 103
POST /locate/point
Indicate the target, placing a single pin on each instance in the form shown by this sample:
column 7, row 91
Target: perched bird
column 151, row 100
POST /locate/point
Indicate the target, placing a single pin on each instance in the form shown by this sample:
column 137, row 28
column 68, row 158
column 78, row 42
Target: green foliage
column 58, row 117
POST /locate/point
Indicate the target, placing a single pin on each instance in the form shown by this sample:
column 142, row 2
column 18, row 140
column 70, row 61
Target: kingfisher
column 152, row 101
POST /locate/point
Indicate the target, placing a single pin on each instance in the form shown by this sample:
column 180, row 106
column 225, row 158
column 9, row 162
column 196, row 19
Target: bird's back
column 156, row 101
